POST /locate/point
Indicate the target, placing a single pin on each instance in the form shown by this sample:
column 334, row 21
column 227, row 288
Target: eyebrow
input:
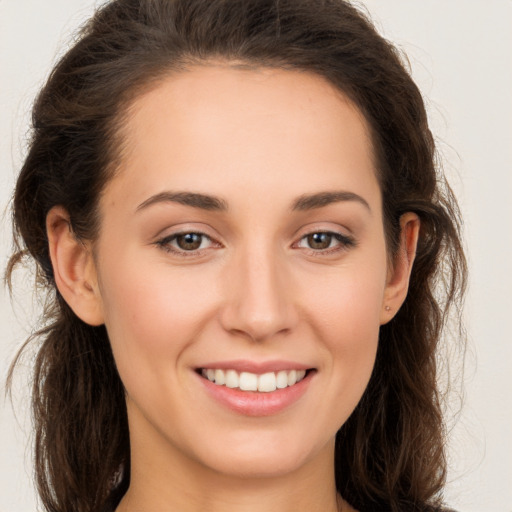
column 211, row 203
column 321, row 199
column 193, row 199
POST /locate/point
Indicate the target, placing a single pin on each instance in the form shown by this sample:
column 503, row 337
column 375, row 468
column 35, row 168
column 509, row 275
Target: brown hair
column 390, row 453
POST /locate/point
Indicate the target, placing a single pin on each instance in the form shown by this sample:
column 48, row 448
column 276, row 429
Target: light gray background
column 461, row 56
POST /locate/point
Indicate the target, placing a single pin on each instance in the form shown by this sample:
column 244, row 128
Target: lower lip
column 254, row 403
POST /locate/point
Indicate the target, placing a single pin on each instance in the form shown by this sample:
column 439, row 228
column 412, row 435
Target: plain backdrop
column 460, row 52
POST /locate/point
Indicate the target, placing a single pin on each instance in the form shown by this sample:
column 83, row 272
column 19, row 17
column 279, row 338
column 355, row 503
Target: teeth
column 267, row 382
column 220, row 377
column 232, row 379
column 246, row 381
column 282, row 380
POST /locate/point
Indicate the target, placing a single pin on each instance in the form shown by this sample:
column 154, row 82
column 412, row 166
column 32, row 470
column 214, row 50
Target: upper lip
column 258, row 367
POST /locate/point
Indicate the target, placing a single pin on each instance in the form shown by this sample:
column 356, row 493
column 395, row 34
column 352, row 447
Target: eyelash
column 345, row 243
column 165, row 243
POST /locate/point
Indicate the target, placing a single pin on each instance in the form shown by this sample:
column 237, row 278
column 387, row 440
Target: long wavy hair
column 390, row 453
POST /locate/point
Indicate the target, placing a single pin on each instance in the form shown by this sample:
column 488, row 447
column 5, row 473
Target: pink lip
column 254, row 403
column 259, row 367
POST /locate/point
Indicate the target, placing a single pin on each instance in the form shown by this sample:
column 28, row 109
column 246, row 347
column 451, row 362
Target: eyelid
column 345, row 242
column 164, row 242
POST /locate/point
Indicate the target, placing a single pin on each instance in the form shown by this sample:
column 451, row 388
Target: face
column 241, row 250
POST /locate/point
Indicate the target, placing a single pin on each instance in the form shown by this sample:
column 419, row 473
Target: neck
column 177, row 483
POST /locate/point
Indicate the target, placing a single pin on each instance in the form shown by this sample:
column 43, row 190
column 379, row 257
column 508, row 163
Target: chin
column 264, row 457
column 263, row 466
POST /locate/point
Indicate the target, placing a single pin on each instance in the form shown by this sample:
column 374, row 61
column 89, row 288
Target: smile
column 247, row 381
column 253, row 389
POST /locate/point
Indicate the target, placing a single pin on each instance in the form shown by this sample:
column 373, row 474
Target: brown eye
column 187, row 244
column 326, row 242
column 189, row 241
column 319, row 241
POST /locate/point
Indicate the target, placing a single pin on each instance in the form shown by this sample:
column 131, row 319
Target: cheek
column 347, row 301
column 352, row 332
column 344, row 309
column 152, row 315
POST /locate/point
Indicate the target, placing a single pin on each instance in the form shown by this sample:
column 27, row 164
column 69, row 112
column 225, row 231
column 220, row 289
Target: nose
column 259, row 296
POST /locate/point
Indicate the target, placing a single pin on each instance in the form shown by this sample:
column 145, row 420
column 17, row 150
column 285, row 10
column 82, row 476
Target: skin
column 258, row 140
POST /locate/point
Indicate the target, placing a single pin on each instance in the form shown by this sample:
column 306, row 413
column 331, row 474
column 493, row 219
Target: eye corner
column 187, row 243
column 328, row 242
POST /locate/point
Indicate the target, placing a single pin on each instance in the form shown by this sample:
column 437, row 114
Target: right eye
column 186, row 244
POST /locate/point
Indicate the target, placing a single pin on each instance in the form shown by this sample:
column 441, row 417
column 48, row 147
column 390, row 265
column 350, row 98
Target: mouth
column 256, row 389
column 247, row 381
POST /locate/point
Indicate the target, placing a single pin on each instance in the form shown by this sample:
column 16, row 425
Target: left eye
column 321, row 241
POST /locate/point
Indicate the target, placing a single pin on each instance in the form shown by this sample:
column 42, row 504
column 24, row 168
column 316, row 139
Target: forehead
column 220, row 126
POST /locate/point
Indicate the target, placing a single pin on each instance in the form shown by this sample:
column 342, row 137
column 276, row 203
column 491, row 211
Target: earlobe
column 398, row 276
column 73, row 267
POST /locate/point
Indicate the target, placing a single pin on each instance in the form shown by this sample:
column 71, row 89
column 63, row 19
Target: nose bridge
column 259, row 303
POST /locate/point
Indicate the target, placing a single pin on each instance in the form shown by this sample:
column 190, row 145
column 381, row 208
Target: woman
column 235, row 210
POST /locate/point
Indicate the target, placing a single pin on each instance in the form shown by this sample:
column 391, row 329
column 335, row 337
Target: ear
column 397, row 283
column 73, row 268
